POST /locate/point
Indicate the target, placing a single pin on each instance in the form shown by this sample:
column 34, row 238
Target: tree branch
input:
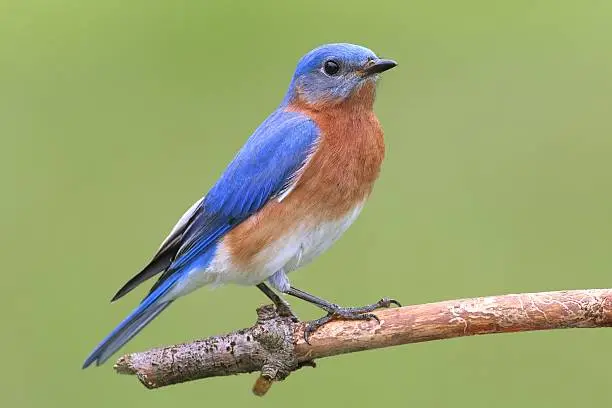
column 275, row 345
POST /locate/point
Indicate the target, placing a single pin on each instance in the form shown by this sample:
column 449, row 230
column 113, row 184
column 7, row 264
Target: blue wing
column 260, row 170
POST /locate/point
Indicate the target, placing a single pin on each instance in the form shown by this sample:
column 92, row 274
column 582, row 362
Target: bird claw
column 389, row 302
column 348, row 313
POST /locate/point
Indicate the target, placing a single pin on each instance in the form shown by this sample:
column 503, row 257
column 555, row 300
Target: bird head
column 333, row 73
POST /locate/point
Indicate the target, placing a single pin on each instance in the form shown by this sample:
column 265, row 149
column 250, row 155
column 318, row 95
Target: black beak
column 378, row 66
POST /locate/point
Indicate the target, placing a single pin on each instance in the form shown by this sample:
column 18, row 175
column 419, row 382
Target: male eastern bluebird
column 293, row 189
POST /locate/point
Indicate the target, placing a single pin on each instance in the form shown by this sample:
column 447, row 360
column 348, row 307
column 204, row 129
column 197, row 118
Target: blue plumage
column 260, row 170
column 152, row 305
column 316, row 86
column 270, row 156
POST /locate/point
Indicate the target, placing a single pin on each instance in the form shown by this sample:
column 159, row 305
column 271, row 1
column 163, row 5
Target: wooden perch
column 275, row 346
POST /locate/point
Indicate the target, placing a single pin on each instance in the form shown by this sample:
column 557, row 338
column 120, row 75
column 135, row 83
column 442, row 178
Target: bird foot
column 336, row 312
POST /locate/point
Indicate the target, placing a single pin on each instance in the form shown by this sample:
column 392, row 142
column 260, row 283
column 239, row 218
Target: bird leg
column 282, row 306
column 334, row 311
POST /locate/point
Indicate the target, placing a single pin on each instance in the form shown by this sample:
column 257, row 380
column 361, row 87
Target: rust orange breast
column 338, row 176
column 347, row 160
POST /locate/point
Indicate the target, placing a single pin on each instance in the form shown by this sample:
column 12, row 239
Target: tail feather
column 152, row 306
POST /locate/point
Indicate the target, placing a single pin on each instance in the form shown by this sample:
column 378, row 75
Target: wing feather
column 260, row 171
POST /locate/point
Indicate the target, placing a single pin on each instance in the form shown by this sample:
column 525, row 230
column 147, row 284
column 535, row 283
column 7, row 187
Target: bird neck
column 360, row 100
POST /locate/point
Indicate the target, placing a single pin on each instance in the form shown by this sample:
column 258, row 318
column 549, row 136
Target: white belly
column 293, row 250
column 304, row 244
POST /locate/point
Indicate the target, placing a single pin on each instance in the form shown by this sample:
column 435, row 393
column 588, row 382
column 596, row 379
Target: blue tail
column 150, row 307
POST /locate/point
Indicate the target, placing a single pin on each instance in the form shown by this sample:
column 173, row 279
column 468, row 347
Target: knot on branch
column 275, row 335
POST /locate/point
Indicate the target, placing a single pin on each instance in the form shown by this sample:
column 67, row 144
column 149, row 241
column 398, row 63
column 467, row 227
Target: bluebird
column 291, row 191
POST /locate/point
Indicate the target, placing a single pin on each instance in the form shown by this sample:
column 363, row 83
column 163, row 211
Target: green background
column 115, row 116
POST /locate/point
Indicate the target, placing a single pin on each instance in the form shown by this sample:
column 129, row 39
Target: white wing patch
column 295, row 177
column 183, row 220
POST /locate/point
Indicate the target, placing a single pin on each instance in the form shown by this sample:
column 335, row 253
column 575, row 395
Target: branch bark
column 275, row 345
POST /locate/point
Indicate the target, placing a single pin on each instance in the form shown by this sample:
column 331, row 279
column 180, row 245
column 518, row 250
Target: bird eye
column 331, row 67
